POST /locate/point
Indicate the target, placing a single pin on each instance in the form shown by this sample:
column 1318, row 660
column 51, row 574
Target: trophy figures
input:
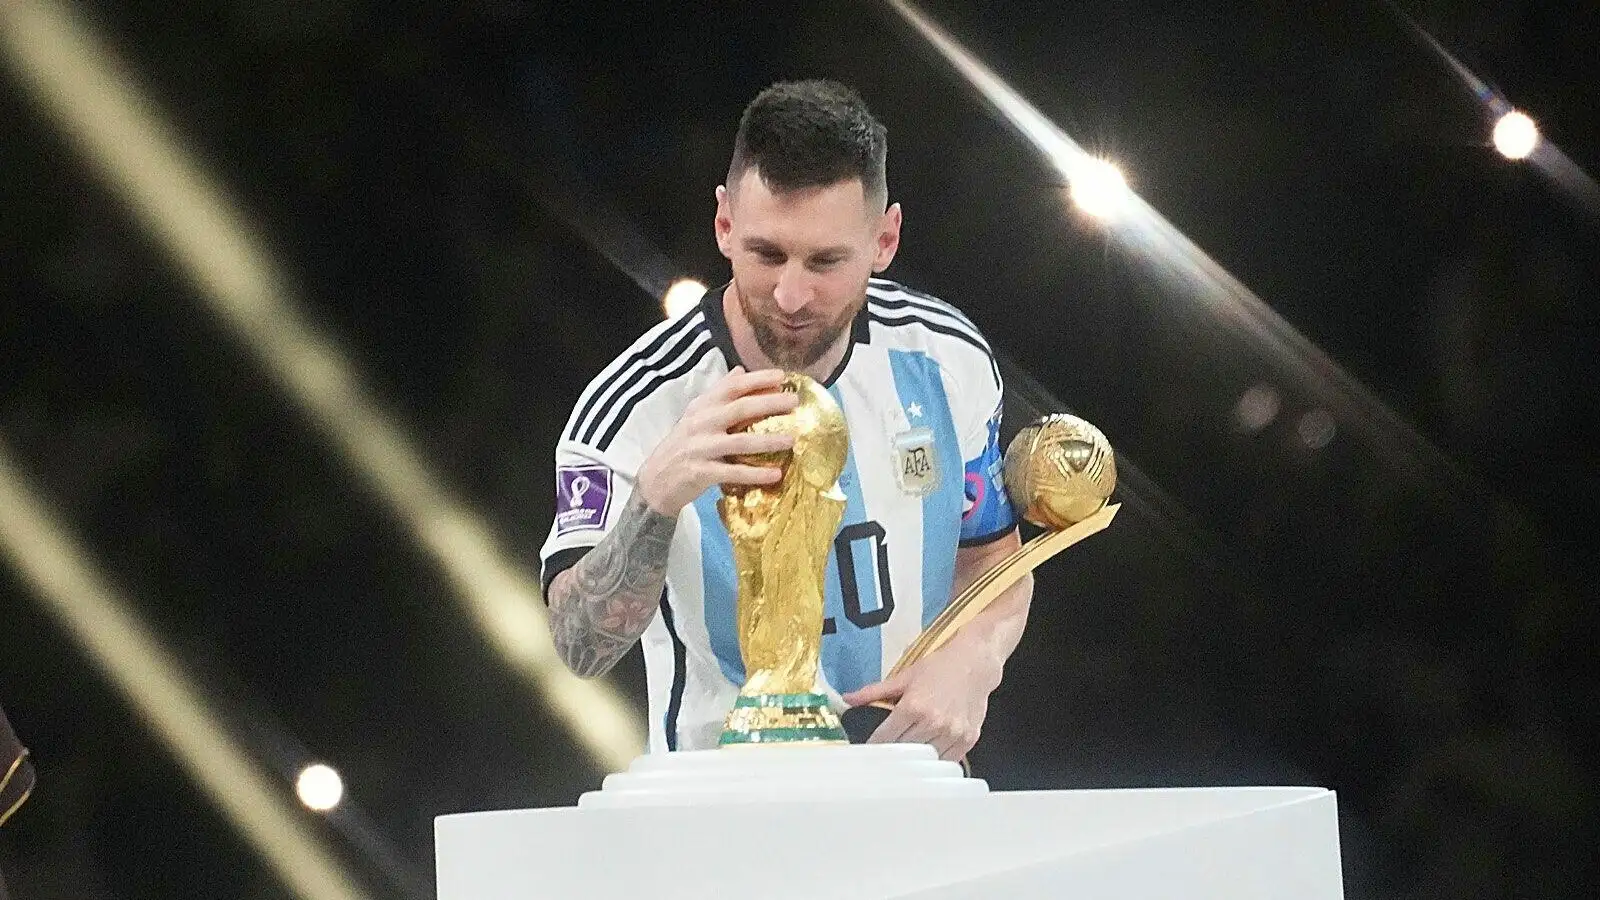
column 781, row 537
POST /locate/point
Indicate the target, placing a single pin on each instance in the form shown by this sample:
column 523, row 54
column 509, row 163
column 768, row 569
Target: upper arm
column 591, row 490
column 979, row 404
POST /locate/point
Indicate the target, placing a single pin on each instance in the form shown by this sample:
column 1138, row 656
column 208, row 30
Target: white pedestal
column 875, row 821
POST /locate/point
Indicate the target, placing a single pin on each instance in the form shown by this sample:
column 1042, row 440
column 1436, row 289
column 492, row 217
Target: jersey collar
column 711, row 306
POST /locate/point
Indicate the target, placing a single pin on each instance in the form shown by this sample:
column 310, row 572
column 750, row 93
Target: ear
column 888, row 242
column 724, row 222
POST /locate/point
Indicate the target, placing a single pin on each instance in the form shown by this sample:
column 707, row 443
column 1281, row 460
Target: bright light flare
column 682, row 296
column 1516, row 135
column 1168, row 253
column 1257, row 407
column 319, row 787
column 1099, row 189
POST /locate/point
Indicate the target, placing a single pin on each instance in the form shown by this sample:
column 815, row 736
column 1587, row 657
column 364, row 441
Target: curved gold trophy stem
column 991, row 584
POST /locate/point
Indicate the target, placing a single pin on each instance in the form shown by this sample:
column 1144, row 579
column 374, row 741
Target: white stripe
column 707, row 695
column 877, row 416
column 658, row 676
column 889, row 290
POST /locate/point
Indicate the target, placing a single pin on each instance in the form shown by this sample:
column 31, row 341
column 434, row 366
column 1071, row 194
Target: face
column 801, row 260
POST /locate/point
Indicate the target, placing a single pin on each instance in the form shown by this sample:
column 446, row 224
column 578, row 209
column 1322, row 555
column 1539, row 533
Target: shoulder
column 647, row 385
column 908, row 319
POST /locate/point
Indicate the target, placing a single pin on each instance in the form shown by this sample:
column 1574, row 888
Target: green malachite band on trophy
column 781, row 719
column 794, row 702
column 783, row 736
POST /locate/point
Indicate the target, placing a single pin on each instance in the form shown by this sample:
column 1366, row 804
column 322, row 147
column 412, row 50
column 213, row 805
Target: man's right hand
column 694, row 454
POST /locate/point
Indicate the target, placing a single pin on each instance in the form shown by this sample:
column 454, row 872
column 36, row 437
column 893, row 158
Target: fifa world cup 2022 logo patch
column 583, row 497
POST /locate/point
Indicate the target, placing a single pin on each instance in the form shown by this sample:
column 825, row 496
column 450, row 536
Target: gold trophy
column 781, row 536
column 1059, row 473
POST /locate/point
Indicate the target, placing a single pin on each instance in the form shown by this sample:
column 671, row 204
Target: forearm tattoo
column 600, row 606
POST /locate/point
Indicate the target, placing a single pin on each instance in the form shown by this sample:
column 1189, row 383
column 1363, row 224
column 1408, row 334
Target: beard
column 791, row 351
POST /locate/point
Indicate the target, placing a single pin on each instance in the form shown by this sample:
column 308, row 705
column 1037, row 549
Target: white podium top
column 777, row 828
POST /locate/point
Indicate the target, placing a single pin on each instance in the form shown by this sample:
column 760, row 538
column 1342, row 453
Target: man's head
column 802, row 216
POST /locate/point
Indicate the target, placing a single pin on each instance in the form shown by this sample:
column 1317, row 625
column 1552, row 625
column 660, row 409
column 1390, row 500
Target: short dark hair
column 804, row 134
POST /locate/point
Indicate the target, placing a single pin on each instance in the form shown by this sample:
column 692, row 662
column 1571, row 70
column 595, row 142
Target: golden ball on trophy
column 1059, row 471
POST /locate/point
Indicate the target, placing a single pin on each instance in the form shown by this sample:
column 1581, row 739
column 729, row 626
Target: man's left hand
column 941, row 700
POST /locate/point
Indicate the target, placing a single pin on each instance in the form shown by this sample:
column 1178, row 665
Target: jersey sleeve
column 592, row 488
column 614, row 426
column 987, row 514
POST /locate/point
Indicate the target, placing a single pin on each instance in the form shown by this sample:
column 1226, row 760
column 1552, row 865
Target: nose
column 793, row 290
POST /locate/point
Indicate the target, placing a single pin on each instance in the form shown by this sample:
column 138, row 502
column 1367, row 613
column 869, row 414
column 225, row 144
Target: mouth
column 794, row 327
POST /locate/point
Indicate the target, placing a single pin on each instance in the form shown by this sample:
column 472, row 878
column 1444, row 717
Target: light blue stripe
column 917, row 380
column 852, row 657
column 721, row 586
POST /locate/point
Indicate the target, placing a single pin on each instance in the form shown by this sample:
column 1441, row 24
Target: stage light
column 320, row 788
column 1099, row 188
column 1515, row 135
column 131, row 654
column 681, row 297
column 1257, row 407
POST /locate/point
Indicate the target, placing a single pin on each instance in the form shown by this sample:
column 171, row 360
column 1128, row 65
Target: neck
column 744, row 342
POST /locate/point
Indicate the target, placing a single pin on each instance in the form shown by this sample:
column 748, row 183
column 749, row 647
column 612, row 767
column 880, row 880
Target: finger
column 888, row 689
column 953, row 750
column 893, row 728
column 752, row 407
column 738, row 382
column 925, row 731
column 960, row 742
column 743, row 443
column 735, row 473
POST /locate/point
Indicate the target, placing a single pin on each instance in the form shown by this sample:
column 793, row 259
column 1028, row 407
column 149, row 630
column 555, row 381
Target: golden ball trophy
column 1059, row 474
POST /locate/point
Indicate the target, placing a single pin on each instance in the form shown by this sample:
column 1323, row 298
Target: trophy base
column 781, row 719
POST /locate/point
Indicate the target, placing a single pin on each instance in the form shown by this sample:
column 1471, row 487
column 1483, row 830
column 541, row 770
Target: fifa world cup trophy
column 781, row 537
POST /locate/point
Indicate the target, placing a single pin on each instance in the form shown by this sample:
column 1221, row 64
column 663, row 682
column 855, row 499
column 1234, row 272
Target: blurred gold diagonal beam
column 74, row 78
column 162, row 693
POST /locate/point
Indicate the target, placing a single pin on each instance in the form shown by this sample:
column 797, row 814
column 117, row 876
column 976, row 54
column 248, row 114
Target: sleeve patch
column 583, row 498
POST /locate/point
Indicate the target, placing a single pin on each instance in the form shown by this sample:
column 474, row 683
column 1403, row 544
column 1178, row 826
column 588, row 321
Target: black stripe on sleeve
column 650, row 386
column 950, row 330
column 685, row 344
column 634, row 361
column 680, row 673
column 917, row 299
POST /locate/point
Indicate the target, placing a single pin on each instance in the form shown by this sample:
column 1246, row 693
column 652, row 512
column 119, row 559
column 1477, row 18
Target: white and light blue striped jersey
column 921, row 394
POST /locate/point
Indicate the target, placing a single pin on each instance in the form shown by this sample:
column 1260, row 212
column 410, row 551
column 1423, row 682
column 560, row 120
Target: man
column 637, row 548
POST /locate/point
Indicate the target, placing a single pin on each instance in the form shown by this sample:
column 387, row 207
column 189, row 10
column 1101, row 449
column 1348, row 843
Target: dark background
column 1401, row 615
